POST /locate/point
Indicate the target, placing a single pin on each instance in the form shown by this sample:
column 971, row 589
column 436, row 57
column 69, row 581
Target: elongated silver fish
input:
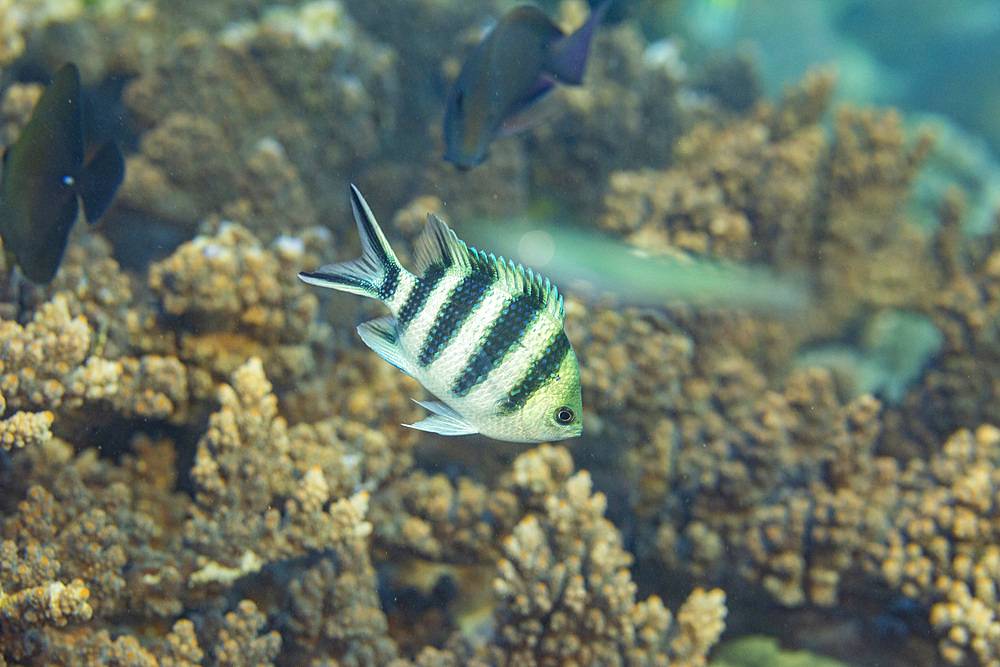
column 480, row 333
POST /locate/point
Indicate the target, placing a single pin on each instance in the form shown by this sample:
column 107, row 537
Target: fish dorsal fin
column 439, row 245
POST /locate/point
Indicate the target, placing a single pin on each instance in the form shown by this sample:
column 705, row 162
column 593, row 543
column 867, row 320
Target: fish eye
column 564, row 415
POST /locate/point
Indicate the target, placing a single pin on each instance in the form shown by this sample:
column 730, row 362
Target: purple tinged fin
column 568, row 55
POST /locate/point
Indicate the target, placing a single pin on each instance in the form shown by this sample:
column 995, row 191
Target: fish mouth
column 463, row 162
column 457, row 162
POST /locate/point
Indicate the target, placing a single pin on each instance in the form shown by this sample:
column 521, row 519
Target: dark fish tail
column 568, row 56
column 375, row 273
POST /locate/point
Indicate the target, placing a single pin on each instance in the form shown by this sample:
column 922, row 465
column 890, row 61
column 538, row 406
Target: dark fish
column 43, row 174
column 517, row 64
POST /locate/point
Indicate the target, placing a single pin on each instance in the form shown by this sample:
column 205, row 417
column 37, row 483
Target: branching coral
column 24, row 428
column 941, row 547
column 328, row 103
column 82, row 523
column 565, row 594
column 431, row 517
column 770, row 188
column 961, row 389
column 240, row 641
column 258, row 493
column 18, row 18
column 53, row 364
column 232, row 299
column 53, row 604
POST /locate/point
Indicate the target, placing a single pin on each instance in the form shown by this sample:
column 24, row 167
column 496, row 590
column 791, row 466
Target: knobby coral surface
column 200, row 464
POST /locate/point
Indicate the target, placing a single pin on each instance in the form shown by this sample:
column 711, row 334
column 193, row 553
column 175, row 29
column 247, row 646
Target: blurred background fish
column 515, row 66
column 45, row 172
column 593, row 266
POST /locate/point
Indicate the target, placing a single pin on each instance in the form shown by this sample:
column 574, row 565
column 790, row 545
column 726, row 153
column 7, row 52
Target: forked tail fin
column 568, row 56
column 375, row 273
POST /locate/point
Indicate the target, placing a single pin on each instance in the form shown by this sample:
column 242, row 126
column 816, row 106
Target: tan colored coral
column 53, row 604
column 16, row 104
column 241, row 641
column 19, row 17
column 257, row 485
column 25, row 428
column 231, row 298
column 566, row 595
column 435, row 519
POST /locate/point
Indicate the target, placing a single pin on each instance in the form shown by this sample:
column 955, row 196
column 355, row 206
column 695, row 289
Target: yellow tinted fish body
column 481, row 334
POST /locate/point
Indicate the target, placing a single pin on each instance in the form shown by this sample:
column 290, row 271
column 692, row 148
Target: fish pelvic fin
column 567, row 57
column 444, row 421
column 375, row 274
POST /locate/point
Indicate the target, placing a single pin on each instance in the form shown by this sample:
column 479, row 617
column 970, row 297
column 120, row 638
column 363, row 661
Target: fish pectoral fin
column 380, row 335
column 444, row 421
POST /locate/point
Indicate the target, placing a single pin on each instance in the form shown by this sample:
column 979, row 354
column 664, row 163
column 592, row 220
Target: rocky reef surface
column 200, row 464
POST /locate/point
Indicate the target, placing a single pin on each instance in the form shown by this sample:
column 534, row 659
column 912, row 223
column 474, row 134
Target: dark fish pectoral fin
column 100, row 179
column 567, row 57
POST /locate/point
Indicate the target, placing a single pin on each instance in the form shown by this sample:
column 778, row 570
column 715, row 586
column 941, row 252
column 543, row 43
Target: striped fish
column 482, row 334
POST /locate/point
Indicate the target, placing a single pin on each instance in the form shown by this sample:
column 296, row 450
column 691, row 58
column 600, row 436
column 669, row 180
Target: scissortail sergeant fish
column 482, row 334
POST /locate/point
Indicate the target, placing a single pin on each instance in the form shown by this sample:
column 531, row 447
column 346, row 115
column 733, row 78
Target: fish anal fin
column 380, row 335
column 444, row 421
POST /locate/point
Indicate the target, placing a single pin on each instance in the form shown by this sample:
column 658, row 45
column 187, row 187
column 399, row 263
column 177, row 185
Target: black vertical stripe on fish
column 538, row 375
column 505, row 333
column 390, row 282
column 418, row 295
column 456, row 310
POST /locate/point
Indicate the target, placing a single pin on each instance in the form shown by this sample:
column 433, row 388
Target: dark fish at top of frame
column 43, row 175
column 516, row 65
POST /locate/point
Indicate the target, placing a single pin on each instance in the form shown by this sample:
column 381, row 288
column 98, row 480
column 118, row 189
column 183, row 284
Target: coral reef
column 232, row 298
column 770, row 188
column 200, row 463
column 566, row 594
column 260, row 489
column 326, row 94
